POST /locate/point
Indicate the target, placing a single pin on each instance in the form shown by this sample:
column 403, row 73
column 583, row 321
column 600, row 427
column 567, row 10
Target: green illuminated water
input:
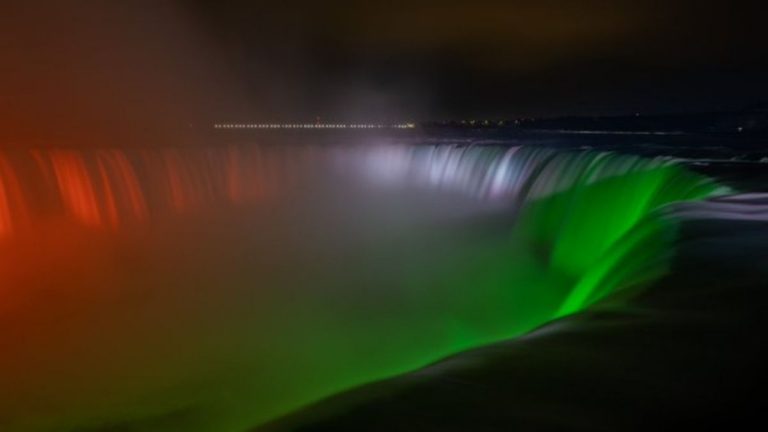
column 228, row 318
column 586, row 225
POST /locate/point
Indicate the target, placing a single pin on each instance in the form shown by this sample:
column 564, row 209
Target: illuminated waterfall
column 590, row 211
column 313, row 269
column 106, row 188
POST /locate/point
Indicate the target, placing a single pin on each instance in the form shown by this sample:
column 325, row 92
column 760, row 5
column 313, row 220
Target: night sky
column 87, row 70
column 448, row 58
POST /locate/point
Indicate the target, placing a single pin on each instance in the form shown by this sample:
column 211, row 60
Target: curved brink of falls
column 167, row 279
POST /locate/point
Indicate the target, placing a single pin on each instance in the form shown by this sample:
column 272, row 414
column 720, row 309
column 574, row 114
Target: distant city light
column 313, row 126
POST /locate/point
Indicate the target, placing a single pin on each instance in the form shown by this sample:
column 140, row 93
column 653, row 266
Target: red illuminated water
column 106, row 188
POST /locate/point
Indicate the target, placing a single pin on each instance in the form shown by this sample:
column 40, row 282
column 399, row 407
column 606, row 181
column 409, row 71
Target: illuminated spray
column 237, row 284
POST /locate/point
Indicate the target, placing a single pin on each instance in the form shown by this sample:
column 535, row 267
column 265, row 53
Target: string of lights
column 312, row 126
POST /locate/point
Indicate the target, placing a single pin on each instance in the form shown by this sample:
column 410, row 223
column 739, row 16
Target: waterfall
column 237, row 284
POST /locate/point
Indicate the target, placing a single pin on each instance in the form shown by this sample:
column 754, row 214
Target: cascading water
column 219, row 288
column 587, row 210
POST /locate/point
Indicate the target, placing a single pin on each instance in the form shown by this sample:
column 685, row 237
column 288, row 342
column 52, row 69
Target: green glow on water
column 591, row 224
column 236, row 318
column 601, row 234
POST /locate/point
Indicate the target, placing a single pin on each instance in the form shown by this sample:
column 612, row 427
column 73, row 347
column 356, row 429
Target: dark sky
column 86, row 71
column 429, row 58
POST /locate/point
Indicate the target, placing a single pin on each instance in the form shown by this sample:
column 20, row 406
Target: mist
column 157, row 277
column 100, row 74
column 218, row 309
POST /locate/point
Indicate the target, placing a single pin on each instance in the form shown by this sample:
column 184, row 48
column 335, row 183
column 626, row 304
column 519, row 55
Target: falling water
column 219, row 288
